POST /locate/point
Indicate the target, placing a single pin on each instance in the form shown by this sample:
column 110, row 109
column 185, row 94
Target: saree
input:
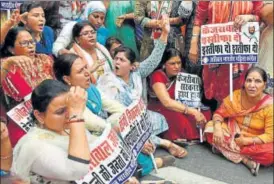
column 256, row 121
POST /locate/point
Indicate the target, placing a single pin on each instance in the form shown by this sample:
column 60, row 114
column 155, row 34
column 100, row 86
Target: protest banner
column 223, row 44
column 187, row 90
column 21, row 115
column 134, row 126
column 110, row 160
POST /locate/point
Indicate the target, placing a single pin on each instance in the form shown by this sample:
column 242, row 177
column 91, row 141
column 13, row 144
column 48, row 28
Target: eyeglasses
column 27, row 43
column 86, row 33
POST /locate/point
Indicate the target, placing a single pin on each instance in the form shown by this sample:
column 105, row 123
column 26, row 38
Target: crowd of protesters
column 82, row 63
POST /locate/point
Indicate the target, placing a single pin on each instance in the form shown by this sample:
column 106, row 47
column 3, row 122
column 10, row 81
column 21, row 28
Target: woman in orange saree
column 242, row 129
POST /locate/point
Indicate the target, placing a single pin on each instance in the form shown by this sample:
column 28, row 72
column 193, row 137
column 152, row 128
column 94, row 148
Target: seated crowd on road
column 72, row 73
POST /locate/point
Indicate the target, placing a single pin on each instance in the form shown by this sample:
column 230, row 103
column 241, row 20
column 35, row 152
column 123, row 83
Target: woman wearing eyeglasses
column 95, row 54
column 22, row 69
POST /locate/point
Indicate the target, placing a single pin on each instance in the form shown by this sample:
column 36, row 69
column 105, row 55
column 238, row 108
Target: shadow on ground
column 202, row 161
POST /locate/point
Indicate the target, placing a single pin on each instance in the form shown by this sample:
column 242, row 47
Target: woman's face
column 97, row 19
column 87, row 37
column 35, row 20
column 56, row 115
column 24, row 45
column 122, row 65
column 254, row 84
column 79, row 75
column 173, row 66
column 113, row 47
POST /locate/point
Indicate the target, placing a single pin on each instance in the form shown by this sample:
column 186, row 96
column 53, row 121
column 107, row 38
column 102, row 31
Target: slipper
column 177, row 151
column 181, row 142
column 215, row 150
column 167, row 161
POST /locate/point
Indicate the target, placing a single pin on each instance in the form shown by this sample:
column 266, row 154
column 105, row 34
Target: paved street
column 201, row 166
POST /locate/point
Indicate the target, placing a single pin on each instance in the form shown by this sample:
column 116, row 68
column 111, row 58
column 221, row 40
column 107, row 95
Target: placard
column 223, row 44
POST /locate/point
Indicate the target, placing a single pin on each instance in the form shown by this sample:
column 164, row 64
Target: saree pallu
column 261, row 153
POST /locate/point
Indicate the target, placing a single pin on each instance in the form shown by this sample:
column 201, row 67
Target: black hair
column 45, row 92
column 261, row 71
column 27, row 6
column 77, row 28
column 10, row 40
column 62, row 65
column 168, row 54
column 110, row 41
column 129, row 53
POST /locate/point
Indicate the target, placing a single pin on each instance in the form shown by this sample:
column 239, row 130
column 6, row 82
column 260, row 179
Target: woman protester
column 181, row 118
column 35, row 22
column 95, row 12
column 21, row 71
column 242, row 129
column 216, row 77
column 126, row 86
column 72, row 70
column 86, row 46
column 6, row 150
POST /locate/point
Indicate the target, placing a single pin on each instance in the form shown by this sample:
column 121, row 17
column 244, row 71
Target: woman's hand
column 218, row 136
column 193, row 54
column 24, row 62
column 199, row 117
column 97, row 64
column 15, row 17
column 243, row 19
column 76, row 101
column 4, row 132
column 241, row 141
column 165, row 25
column 120, row 20
column 148, row 148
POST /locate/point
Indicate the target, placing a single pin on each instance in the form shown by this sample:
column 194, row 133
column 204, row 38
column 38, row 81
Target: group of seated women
column 75, row 95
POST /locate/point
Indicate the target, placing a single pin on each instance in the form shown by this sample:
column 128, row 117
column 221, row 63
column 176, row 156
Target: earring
column 163, row 67
column 42, row 125
column 69, row 83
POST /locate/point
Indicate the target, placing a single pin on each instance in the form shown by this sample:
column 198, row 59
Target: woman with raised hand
column 60, row 135
column 86, row 46
column 35, row 22
column 242, row 129
column 126, row 86
column 22, row 69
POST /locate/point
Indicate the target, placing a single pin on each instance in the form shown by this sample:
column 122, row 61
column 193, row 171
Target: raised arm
column 149, row 64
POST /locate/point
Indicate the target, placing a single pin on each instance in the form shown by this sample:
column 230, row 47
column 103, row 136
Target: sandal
column 167, row 161
column 215, row 150
column 177, row 151
column 254, row 168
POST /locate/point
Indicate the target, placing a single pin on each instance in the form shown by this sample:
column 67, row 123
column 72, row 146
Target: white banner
column 223, row 44
column 110, row 160
column 187, row 89
column 135, row 127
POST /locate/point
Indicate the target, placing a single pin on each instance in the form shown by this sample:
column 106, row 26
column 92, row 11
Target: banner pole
column 200, row 130
column 154, row 163
column 230, row 82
